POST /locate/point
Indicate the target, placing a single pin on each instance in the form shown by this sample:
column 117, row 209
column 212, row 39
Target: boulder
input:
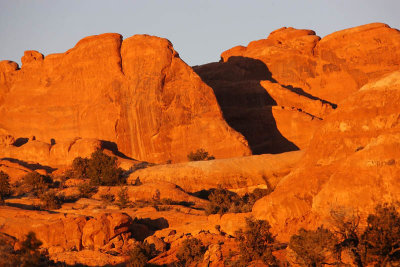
column 156, row 243
column 66, row 231
column 98, row 231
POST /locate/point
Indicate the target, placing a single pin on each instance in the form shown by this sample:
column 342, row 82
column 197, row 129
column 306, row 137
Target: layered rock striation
column 136, row 93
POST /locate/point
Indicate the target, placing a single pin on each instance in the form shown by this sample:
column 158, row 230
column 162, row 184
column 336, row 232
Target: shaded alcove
column 246, row 105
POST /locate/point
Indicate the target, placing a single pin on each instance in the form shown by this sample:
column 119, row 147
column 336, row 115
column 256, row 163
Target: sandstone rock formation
column 62, row 232
column 136, row 93
column 277, row 90
column 330, row 68
column 231, row 173
column 150, row 191
column 26, row 150
column 352, row 161
column 335, row 99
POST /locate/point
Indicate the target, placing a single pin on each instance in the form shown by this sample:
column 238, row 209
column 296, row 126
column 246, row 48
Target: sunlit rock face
column 352, row 161
column 277, row 91
column 136, row 93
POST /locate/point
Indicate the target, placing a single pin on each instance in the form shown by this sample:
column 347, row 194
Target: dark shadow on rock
column 31, row 166
column 151, row 226
column 113, row 147
column 246, row 105
column 21, row 141
column 300, row 91
column 23, row 206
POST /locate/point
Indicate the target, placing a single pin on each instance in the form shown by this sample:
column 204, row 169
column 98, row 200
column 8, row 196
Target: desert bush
column 103, row 170
column 377, row 245
column 28, row 255
column 107, row 198
column 86, row 190
column 199, row 154
column 5, row 188
column 139, row 255
column 80, row 168
column 36, row 183
column 50, row 200
column 224, row 201
column 313, row 248
column 345, row 225
column 122, row 197
column 8, row 257
column 256, row 242
column 381, row 238
column 221, row 201
column 191, row 250
column 100, row 168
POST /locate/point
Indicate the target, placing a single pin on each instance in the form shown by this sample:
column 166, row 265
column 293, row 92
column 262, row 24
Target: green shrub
column 378, row 245
column 86, row 190
column 139, row 255
column 122, row 198
column 36, row 183
column 221, row 201
column 191, row 250
column 50, row 200
column 313, row 248
column 381, row 238
column 29, row 254
column 198, row 155
column 8, row 257
column 5, row 189
column 100, row 168
column 224, row 201
column 107, row 198
column 80, row 168
column 256, row 242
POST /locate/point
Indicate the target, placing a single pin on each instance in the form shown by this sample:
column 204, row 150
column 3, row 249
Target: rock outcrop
column 352, row 162
column 68, row 232
column 330, row 68
column 231, row 173
column 277, row 90
column 136, row 93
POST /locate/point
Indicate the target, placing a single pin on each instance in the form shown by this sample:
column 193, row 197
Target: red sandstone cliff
column 136, row 93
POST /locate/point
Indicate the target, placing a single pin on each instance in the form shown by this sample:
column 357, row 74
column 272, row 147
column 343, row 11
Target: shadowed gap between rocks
column 152, row 225
column 301, row 92
column 113, row 147
column 246, row 105
column 31, row 166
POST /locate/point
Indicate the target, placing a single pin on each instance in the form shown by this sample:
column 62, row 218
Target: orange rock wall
column 330, row 68
column 137, row 93
column 352, row 162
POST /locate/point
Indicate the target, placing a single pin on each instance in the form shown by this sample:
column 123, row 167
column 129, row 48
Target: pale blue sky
column 200, row 30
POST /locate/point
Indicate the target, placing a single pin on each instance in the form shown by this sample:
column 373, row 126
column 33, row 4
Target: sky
column 199, row 30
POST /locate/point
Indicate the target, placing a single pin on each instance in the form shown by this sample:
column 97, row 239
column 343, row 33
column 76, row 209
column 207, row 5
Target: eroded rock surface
column 136, row 93
column 352, row 161
column 277, row 90
column 231, row 173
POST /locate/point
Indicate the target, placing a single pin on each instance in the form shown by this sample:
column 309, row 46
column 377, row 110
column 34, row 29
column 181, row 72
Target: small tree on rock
column 256, row 242
column 313, row 248
column 199, row 154
column 381, row 238
column 4, row 186
column 191, row 250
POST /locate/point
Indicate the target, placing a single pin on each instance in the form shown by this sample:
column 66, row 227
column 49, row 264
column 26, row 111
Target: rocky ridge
column 335, row 99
